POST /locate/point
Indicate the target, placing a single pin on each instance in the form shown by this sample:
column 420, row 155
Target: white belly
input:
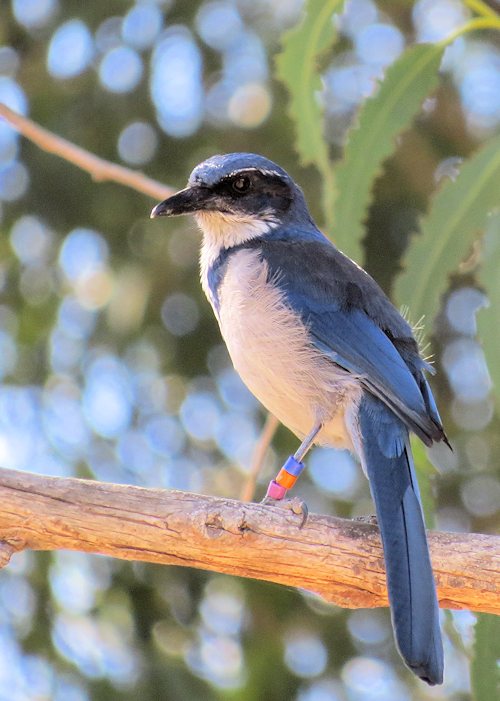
column 270, row 349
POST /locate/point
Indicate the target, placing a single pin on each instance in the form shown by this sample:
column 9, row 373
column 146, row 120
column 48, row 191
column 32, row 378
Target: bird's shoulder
column 314, row 272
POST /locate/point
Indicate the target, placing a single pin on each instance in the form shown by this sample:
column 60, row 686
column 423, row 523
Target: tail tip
column 430, row 671
column 427, row 661
column 431, row 677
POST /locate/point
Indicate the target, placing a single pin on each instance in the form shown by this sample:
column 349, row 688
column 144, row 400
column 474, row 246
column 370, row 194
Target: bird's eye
column 241, row 184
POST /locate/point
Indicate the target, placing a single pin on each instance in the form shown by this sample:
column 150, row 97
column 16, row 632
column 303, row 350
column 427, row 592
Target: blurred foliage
column 409, row 80
column 484, row 672
column 111, row 364
column 489, row 319
column 426, row 475
column 457, row 215
column 297, row 67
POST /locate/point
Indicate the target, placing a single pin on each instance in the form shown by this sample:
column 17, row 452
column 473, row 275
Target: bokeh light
column 369, row 629
column 200, row 415
column 14, row 181
column 34, row 14
column 369, row 679
column 219, row 24
column 481, row 495
column 465, row 366
column 435, row 20
column 323, row 690
column 305, row 654
column 176, row 88
column 379, row 44
column 108, row 34
column 121, row 69
column 137, row 143
column 31, row 240
column 9, row 61
column 479, row 84
column 142, row 24
column 180, row 314
column 83, row 252
column 249, row 105
column 335, row 471
column 107, row 397
column 71, row 49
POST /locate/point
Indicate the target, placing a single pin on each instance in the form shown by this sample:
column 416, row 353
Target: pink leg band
column 275, row 490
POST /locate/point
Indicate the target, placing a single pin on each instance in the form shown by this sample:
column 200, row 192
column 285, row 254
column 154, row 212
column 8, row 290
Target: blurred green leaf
column 484, row 670
column 457, row 214
column 425, row 472
column 297, row 68
column 372, row 139
column 489, row 318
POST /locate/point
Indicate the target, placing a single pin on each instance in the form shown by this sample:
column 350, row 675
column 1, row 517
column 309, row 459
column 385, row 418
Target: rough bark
column 339, row 559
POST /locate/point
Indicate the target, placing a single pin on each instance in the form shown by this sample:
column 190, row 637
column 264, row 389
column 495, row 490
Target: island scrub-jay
column 321, row 346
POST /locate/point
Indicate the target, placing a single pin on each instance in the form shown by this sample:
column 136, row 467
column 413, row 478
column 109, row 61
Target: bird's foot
column 286, row 478
column 295, row 505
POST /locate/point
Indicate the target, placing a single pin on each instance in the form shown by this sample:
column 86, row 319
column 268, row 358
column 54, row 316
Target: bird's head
column 237, row 196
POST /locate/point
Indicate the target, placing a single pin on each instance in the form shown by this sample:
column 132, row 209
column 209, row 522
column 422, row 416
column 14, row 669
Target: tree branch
column 339, row 559
column 98, row 168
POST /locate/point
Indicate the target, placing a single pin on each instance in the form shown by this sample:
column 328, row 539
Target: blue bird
column 321, row 346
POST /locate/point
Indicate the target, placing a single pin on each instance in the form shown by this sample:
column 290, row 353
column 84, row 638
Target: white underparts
column 272, row 352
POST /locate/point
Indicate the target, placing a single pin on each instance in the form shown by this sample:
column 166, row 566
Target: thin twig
column 98, row 168
column 471, row 26
column 481, row 8
column 262, row 446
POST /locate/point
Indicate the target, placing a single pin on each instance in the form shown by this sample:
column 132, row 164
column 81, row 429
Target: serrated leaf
column 488, row 318
column 484, row 670
column 458, row 213
column 297, row 68
column 373, row 138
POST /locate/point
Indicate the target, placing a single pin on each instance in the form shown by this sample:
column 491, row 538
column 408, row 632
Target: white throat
column 221, row 230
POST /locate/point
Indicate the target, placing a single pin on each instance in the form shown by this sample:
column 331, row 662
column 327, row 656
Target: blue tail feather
column 412, row 596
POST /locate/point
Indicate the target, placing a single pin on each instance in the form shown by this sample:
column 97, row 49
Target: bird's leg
column 288, row 475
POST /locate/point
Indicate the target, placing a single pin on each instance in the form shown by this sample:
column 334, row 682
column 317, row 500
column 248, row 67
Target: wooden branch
column 340, row 560
column 98, row 168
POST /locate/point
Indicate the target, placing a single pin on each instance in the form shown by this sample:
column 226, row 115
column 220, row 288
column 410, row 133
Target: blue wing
column 354, row 342
column 353, row 323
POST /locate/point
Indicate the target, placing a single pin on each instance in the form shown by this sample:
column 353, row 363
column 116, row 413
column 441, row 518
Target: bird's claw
column 295, row 505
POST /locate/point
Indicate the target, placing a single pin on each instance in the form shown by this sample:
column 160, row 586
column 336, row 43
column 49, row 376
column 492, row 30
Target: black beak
column 186, row 201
